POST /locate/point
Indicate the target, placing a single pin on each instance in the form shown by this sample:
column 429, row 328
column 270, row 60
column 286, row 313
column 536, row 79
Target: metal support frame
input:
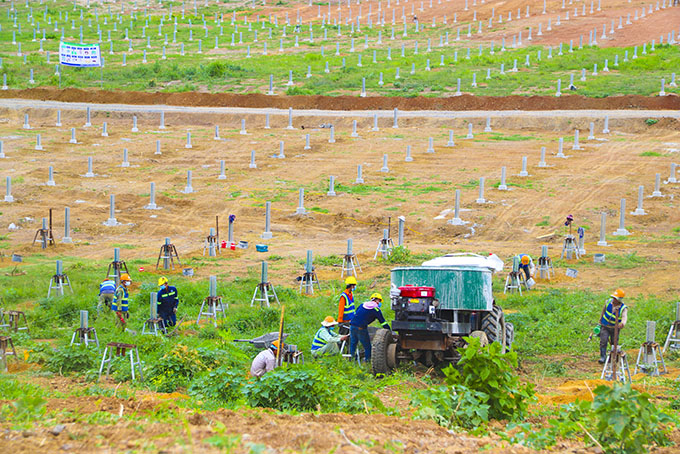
column 168, row 253
column 545, row 268
column 620, row 362
column 45, row 235
column 211, row 241
column 5, row 345
column 58, row 282
column 350, row 263
column 121, row 350
column 262, row 294
column 154, row 326
column 384, row 248
column 12, row 320
column 673, row 339
column 570, row 247
column 649, row 350
column 515, row 281
column 119, row 267
column 214, row 307
column 307, row 282
column 85, row 336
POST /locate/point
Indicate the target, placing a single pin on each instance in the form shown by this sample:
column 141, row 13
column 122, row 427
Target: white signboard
column 83, row 55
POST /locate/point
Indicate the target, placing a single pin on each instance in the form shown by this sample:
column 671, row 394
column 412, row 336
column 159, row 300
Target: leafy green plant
column 222, row 385
column 492, row 373
column 72, row 359
column 481, row 387
column 451, row 406
column 626, row 420
column 651, row 121
column 26, row 409
column 288, row 388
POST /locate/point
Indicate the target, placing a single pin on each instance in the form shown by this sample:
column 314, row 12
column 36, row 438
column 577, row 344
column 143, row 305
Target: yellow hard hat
column 525, row 260
column 329, row 321
column 351, row 281
column 275, row 345
column 618, row 294
column 162, row 280
column 125, row 277
column 377, row 296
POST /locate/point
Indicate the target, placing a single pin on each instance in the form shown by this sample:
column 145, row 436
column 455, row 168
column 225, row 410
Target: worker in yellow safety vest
column 613, row 311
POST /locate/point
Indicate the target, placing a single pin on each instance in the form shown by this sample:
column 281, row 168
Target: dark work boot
column 603, row 355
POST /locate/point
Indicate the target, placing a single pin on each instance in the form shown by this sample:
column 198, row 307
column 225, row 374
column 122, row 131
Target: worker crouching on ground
column 358, row 328
column 107, row 290
column 613, row 310
column 325, row 341
column 120, row 301
column 526, row 265
column 265, row 361
column 168, row 300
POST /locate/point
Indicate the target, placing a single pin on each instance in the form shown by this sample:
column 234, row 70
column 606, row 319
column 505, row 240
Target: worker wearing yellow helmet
column 614, row 315
column 168, row 300
column 265, row 361
column 121, row 300
column 364, row 315
column 346, row 303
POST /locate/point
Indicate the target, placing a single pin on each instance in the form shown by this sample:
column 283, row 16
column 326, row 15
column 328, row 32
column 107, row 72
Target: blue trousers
column 169, row 318
column 357, row 335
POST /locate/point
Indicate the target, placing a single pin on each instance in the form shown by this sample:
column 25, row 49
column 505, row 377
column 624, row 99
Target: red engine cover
column 411, row 291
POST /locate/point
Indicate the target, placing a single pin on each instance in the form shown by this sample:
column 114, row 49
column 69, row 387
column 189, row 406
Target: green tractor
column 435, row 306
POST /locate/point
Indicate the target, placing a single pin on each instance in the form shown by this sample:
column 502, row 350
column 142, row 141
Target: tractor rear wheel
column 509, row 335
column 493, row 324
column 381, row 363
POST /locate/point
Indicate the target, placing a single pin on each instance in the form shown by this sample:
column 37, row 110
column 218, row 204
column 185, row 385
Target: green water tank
column 456, row 287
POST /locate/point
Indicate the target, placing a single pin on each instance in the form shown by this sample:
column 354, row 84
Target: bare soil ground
column 590, row 181
column 256, row 100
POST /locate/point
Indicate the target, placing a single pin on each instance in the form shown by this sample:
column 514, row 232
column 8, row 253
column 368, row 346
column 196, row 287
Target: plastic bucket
column 188, row 271
column 598, row 258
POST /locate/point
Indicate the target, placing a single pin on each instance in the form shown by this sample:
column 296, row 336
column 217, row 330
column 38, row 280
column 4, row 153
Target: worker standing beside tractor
column 121, row 300
column 346, row 303
column 325, row 341
column 168, row 300
column 613, row 311
column 358, row 329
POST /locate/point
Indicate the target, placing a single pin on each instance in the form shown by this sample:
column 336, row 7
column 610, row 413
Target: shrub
column 492, row 373
column 288, row 388
column 626, row 421
column 222, row 385
column 481, row 387
column 72, row 359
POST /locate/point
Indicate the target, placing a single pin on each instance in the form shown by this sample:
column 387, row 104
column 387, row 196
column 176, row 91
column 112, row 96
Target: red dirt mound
column 256, row 100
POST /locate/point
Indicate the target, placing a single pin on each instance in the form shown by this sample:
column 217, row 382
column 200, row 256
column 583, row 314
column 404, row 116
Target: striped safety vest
column 107, row 286
column 318, row 342
column 123, row 303
column 609, row 316
column 347, row 301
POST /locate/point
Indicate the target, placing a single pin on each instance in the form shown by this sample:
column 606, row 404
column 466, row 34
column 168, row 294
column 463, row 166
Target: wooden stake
column 278, row 350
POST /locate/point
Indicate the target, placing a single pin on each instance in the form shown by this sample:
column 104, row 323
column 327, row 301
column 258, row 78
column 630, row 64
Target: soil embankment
column 257, row 100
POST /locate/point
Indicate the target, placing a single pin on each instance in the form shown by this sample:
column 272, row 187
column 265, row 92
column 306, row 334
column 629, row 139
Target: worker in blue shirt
column 168, row 300
column 358, row 327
